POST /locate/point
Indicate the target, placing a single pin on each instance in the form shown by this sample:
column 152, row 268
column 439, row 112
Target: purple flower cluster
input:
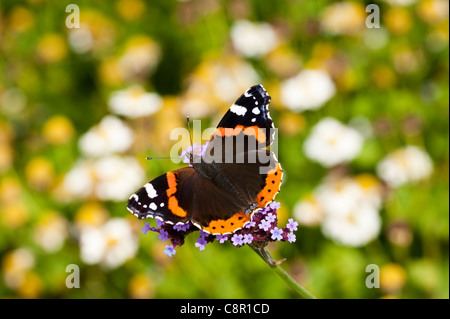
column 263, row 229
column 259, row 231
column 176, row 233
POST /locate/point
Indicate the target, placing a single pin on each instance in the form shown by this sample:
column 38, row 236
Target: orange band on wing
column 175, row 209
column 172, row 200
column 172, row 183
column 255, row 131
column 228, row 131
column 273, row 182
column 230, row 225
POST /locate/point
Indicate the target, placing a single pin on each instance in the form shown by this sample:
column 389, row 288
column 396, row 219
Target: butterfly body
column 221, row 189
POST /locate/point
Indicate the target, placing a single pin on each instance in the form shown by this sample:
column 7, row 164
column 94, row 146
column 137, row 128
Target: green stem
column 275, row 265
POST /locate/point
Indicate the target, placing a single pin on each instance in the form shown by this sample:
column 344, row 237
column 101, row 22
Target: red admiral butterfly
column 237, row 175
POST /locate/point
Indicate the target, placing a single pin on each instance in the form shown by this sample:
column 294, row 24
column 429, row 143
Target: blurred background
column 362, row 118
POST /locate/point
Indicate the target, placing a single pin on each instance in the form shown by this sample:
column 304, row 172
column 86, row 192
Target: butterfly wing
column 216, row 209
column 249, row 116
column 182, row 195
column 167, row 197
column 258, row 178
column 226, row 202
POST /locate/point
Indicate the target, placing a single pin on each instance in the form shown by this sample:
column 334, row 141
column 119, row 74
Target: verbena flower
column 291, row 237
column 265, row 224
column 169, row 251
column 277, row 234
column 146, row 228
column 237, row 240
column 262, row 229
column 270, row 217
column 292, row 225
column 222, row 238
column 250, row 224
column 163, row 235
column 201, row 242
column 159, row 223
column 248, row 238
column 182, row 227
column 275, row 205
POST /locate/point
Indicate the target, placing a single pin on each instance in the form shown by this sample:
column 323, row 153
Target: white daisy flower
column 408, row 164
column 332, row 143
column 51, row 232
column 346, row 18
column 111, row 135
column 338, row 197
column 79, row 181
column 139, row 59
column 109, row 245
column 107, row 178
column 134, row 102
column 16, row 263
column 253, row 39
column 346, row 207
column 117, row 177
column 308, row 90
column 308, row 211
column 357, row 226
column 81, row 39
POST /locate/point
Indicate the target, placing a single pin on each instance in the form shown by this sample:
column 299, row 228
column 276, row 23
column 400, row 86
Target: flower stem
column 275, row 265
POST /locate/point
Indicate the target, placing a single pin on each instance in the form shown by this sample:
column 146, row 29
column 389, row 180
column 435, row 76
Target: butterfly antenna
column 191, row 158
column 189, row 128
column 164, row 157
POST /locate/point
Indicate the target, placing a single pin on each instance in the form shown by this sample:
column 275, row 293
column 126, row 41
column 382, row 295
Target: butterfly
column 220, row 190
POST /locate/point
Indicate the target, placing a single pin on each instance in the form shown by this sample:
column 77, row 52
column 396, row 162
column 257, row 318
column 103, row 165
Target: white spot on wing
column 153, row 206
column 239, row 110
column 256, row 110
column 151, row 191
